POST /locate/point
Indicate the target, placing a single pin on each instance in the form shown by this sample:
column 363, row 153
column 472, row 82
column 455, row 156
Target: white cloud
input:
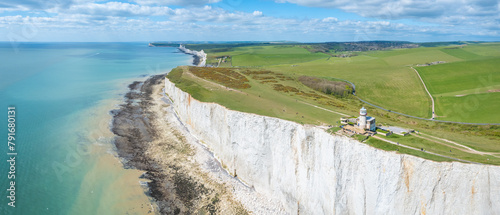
column 176, row 2
column 113, row 9
column 214, row 15
column 463, row 18
column 329, row 19
column 403, row 9
column 207, row 22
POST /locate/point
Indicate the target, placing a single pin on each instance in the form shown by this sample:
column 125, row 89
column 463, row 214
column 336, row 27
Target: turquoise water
column 60, row 91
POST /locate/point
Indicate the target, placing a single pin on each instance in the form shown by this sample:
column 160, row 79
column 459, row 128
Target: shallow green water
column 62, row 93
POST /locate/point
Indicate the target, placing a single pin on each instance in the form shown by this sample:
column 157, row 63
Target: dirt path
column 467, row 149
column 413, row 148
column 324, row 109
column 444, row 144
column 426, row 90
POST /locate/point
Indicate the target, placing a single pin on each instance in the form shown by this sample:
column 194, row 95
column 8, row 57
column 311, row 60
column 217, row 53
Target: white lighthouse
column 362, row 118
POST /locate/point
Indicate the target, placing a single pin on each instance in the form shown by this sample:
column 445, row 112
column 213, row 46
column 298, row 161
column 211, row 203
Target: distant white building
column 365, row 122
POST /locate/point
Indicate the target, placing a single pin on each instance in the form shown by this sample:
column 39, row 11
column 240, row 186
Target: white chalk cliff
column 200, row 54
column 313, row 172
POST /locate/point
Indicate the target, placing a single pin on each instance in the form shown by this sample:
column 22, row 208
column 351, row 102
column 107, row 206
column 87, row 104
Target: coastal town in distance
column 250, row 107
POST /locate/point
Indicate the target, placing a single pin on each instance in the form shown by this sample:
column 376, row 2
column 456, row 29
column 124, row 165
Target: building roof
column 394, row 129
column 362, row 111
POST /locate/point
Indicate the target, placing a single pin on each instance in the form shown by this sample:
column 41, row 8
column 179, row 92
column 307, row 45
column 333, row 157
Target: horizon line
column 247, row 41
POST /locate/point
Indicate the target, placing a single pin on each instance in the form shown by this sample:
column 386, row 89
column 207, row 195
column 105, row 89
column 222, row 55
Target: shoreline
column 105, row 172
column 199, row 57
column 184, row 175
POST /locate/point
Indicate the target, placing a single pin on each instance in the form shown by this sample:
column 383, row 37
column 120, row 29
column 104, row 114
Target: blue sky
column 245, row 20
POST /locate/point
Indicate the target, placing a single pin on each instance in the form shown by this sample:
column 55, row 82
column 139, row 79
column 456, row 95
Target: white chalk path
column 425, row 87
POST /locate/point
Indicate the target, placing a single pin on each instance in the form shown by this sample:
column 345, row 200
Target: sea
column 61, row 157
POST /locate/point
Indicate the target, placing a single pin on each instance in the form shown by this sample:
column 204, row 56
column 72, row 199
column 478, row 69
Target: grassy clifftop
column 280, row 95
column 262, row 92
column 266, row 80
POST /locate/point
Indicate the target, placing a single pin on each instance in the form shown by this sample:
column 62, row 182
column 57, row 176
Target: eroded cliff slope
column 313, row 172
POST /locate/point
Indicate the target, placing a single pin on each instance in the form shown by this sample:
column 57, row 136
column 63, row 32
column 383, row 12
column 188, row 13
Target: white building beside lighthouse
column 365, row 122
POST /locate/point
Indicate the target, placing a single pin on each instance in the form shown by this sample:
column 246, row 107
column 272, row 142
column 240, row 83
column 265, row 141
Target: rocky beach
column 185, row 177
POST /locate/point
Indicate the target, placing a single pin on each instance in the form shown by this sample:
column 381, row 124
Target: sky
column 245, row 20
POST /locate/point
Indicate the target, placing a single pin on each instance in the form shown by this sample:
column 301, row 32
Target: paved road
column 425, row 87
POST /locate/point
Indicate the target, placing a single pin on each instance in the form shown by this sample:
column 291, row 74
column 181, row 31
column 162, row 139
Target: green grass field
column 441, row 147
column 381, row 77
column 460, row 53
column 465, row 91
column 261, row 98
column 390, row 147
column 270, row 55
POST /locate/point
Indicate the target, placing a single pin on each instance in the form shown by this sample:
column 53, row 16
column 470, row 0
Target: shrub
column 261, row 72
column 224, row 76
column 336, row 88
column 286, row 89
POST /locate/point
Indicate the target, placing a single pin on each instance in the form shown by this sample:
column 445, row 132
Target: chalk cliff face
column 200, row 55
column 313, row 172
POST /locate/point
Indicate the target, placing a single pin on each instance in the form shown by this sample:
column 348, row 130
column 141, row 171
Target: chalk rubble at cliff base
column 184, row 177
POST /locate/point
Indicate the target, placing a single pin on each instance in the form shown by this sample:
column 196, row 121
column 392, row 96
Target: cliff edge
column 200, row 57
column 313, row 172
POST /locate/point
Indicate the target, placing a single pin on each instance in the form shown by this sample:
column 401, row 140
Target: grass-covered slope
column 271, row 94
column 467, row 90
column 271, row 87
column 283, row 96
column 252, row 56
